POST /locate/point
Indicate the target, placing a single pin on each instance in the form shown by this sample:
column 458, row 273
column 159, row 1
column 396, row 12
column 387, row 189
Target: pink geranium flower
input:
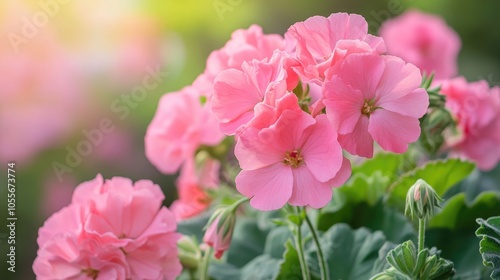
column 236, row 92
column 321, row 42
column 181, row 124
column 424, row 40
column 244, row 45
column 192, row 185
column 375, row 98
column 297, row 160
column 476, row 109
column 113, row 229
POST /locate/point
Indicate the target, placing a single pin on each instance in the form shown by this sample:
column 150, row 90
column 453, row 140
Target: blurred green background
column 177, row 36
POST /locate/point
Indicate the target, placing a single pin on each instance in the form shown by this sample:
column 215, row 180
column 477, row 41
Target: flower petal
column 307, row 190
column 269, row 188
column 359, row 142
column 393, row 131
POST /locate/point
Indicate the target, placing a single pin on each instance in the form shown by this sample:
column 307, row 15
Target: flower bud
column 220, row 230
column 421, row 200
column 189, row 252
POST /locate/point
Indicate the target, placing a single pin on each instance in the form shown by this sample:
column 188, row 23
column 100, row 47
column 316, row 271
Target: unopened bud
column 219, row 230
column 421, row 201
column 189, row 252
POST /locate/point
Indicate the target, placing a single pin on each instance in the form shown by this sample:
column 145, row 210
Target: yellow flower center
column 293, row 158
column 368, row 108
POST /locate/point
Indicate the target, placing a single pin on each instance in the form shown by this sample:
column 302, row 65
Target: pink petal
column 363, row 71
column 413, row 104
column 269, row 187
column 343, row 105
column 321, row 151
column 359, row 142
column 342, row 175
column 393, row 131
column 233, row 96
column 307, row 190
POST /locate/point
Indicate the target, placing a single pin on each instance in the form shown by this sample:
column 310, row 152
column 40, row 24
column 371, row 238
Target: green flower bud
column 189, row 252
column 421, row 201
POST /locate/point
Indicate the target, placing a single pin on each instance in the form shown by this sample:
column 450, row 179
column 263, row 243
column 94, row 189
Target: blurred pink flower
column 424, row 40
column 297, row 160
column 191, row 186
column 113, row 228
column 375, row 97
column 244, row 45
column 476, row 109
column 181, row 124
column 236, row 92
column 321, row 42
column 42, row 96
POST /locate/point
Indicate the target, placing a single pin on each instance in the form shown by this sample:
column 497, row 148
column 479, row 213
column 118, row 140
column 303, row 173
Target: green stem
column 321, row 258
column 204, row 264
column 240, row 201
column 421, row 234
column 300, row 251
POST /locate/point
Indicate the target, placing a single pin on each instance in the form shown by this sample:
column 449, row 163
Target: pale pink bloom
column 62, row 257
column 295, row 160
column 244, row 45
column 322, row 42
column 219, row 236
column 191, row 186
column 375, row 98
column 476, row 109
column 181, row 124
column 237, row 92
column 424, row 40
column 112, row 228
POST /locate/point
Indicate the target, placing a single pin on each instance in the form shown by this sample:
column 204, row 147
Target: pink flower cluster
column 294, row 104
column 476, row 109
column 112, row 229
column 288, row 149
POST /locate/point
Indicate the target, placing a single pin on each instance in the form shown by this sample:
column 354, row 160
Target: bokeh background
column 76, row 71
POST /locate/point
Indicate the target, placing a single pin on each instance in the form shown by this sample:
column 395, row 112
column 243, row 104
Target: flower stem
column 321, row 258
column 204, row 264
column 421, row 234
column 300, row 251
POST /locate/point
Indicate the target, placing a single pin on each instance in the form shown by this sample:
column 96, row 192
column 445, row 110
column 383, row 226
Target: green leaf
column 360, row 190
column 248, row 242
column 275, row 242
column 290, row 267
column 458, row 214
column 224, row 271
column 489, row 246
column 350, row 254
column 440, row 174
column 459, row 246
column 381, row 263
column 262, row 267
column 387, row 164
column 476, row 183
